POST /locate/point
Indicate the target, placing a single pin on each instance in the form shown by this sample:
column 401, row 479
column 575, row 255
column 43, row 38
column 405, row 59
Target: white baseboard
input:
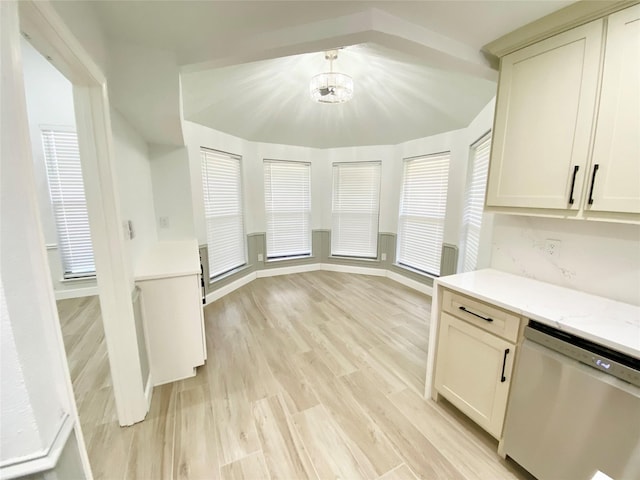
column 76, row 292
column 221, row 292
column 42, row 460
column 273, row 272
column 330, row 267
column 408, row 282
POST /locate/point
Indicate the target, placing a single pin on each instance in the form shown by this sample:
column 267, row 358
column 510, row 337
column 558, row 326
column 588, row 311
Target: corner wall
column 391, row 158
column 50, row 102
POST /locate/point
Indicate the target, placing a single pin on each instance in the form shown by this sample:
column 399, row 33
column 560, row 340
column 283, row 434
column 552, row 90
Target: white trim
column 51, row 36
column 409, row 282
column 46, row 460
column 76, row 292
column 51, row 246
column 148, row 393
column 332, row 267
column 329, row 267
column 273, row 272
column 222, row 291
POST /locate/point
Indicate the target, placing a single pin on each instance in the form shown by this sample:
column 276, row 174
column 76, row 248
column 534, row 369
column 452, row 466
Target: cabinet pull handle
column 504, row 363
column 593, row 181
column 573, row 184
column 486, row 319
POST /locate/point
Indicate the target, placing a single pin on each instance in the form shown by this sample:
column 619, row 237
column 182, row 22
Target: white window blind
column 474, row 203
column 66, row 188
column 355, row 209
column 423, row 206
column 222, row 188
column 287, row 192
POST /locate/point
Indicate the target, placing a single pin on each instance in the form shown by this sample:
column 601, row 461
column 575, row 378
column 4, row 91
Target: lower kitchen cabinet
column 474, row 371
column 169, row 278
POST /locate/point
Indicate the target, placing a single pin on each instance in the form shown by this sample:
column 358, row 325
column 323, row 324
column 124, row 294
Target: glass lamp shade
column 331, row 87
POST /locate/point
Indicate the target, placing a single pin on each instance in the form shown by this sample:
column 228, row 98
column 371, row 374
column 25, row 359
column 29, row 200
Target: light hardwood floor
column 313, row 375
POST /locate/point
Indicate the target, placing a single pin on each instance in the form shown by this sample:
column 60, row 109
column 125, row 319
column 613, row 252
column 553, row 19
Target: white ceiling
column 417, row 65
column 394, row 100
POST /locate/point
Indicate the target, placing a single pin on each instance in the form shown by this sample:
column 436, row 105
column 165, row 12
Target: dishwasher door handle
column 504, row 364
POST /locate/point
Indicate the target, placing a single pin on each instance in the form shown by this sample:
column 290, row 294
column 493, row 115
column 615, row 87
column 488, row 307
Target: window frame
column 66, row 258
column 464, row 230
column 333, row 253
column 400, row 234
column 309, row 234
column 223, row 273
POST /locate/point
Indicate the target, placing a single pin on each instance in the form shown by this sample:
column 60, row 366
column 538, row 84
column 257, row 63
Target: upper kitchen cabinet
column 544, row 113
column 615, row 171
column 567, row 124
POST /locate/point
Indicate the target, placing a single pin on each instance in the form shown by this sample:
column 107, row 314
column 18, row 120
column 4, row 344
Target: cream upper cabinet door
column 544, row 115
column 616, row 151
column 473, row 372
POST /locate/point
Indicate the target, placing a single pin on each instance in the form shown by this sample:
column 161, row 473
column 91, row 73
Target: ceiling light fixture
column 331, row 87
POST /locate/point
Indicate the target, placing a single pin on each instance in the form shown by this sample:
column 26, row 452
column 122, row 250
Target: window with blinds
column 222, row 189
column 423, row 205
column 66, row 189
column 474, row 203
column 355, row 209
column 287, row 195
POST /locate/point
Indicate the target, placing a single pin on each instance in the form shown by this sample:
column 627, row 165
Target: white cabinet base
column 169, row 280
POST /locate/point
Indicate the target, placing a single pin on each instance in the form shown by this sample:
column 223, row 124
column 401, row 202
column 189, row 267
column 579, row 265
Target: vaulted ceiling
column 245, row 65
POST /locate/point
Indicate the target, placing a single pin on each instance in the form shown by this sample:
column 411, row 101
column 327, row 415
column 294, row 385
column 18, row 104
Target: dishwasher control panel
column 613, row 363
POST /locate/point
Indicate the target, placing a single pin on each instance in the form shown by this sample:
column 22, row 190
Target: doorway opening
column 64, row 220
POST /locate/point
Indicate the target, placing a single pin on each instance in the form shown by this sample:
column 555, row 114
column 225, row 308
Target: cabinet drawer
column 495, row 320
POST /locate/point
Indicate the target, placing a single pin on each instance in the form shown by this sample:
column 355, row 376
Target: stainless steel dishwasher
column 574, row 408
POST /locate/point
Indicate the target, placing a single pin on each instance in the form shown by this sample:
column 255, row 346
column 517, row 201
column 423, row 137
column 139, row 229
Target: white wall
column 171, row 180
column 133, row 175
column 391, row 156
column 49, row 103
column 83, row 22
column 30, row 330
column 17, row 414
column 596, row 257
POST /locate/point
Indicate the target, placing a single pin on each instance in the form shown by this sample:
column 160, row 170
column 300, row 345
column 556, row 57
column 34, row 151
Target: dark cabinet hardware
column 593, row 182
column 573, row 184
column 486, row 319
column 504, row 363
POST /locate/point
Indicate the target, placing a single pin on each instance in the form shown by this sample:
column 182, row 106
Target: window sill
column 78, row 279
column 228, row 274
column 416, row 271
column 284, row 259
column 359, row 259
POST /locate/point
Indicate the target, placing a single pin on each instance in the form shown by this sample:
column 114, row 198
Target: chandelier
column 331, row 87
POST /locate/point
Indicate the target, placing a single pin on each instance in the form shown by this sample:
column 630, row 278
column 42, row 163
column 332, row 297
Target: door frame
column 51, row 37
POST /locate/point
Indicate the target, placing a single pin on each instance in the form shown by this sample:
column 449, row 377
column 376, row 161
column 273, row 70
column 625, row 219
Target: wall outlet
column 383, row 257
column 552, row 247
column 164, row 222
column 260, row 257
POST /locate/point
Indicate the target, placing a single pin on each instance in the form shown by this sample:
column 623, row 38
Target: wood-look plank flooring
column 314, row 375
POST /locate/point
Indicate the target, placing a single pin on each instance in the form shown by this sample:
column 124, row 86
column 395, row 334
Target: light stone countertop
column 610, row 323
column 169, row 259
